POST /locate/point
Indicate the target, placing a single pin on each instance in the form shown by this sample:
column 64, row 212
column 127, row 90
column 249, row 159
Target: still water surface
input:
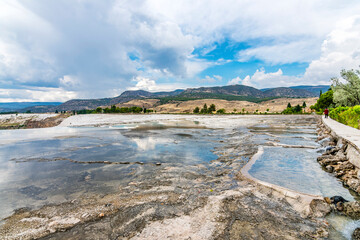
column 35, row 169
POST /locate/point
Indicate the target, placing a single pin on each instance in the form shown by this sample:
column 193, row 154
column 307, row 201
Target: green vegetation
column 347, row 115
column 205, row 109
column 347, row 89
column 324, row 101
column 114, row 109
column 8, row 112
column 221, row 111
column 196, row 96
column 293, row 110
column 345, row 95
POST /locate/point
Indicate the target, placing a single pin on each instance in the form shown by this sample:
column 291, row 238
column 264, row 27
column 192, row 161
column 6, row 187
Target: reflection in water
column 297, row 169
column 294, row 168
column 146, row 144
column 31, row 174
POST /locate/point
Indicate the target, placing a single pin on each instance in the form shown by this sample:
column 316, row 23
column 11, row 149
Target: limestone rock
column 319, row 208
column 327, row 160
column 353, row 183
column 329, row 168
column 327, row 200
column 341, row 156
column 356, row 234
column 340, row 206
column 352, row 209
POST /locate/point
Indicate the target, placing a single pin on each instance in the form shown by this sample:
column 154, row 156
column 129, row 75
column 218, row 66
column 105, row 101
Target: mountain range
column 232, row 92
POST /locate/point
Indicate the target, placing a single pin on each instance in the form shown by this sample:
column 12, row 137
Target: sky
column 66, row 49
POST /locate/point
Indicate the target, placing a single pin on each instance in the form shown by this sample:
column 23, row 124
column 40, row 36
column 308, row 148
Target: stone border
column 352, row 151
column 299, row 201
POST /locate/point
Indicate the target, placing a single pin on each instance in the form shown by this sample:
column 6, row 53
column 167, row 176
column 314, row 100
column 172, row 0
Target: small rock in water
column 327, row 200
column 329, row 168
column 158, row 164
column 108, row 205
column 329, row 148
column 319, row 208
column 356, row 234
column 340, row 206
column 337, row 199
column 352, row 209
column 101, row 215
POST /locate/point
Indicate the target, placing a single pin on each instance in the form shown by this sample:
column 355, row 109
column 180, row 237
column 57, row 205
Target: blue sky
column 59, row 50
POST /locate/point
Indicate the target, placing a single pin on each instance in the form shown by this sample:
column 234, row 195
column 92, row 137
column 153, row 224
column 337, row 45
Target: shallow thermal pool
column 284, row 163
column 51, row 165
column 289, row 160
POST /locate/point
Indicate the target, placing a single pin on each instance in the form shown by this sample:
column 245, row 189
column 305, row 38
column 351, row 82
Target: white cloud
column 147, row 84
column 261, row 79
column 69, row 81
column 282, row 53
column 144, row 83
column 213, row 79
column 39, row 94
column 82, row 47
column 340, row 50
column 235, row 81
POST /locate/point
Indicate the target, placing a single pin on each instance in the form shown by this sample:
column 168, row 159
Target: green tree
column 98, row 110
column 297, row 109
column 56, row 111
column 196, row 110
column 211, row 108
column 347, row 89
column 304, row 105
column 320, row 93
column 113, row 108
column 325, row 101
column 221, row 111
column 289, row 105
column 204, row 109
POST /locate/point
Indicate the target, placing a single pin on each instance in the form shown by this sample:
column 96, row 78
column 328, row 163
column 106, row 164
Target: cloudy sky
column 64, row 49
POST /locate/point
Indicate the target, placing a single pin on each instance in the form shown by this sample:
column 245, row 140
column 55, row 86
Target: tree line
column 113, row 109
column 208, row 110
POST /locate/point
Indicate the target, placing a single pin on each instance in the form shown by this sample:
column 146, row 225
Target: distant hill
column 287, row 92
column 80, row 104
column 16, row 106
column 232, row 92
column 236, row 90
column 314, row 89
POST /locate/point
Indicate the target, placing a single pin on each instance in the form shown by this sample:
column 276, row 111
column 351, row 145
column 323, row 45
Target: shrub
column 221, row 111
column 346, row 115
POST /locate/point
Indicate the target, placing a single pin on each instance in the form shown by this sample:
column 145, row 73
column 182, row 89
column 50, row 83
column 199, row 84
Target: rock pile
column 335, row 160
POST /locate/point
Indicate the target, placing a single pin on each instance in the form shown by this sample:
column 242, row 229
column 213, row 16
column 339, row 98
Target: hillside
column 230, row 93
column 275, row 105
column 287, row 92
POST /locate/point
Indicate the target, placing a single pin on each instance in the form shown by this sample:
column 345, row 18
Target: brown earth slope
column 275, row 105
